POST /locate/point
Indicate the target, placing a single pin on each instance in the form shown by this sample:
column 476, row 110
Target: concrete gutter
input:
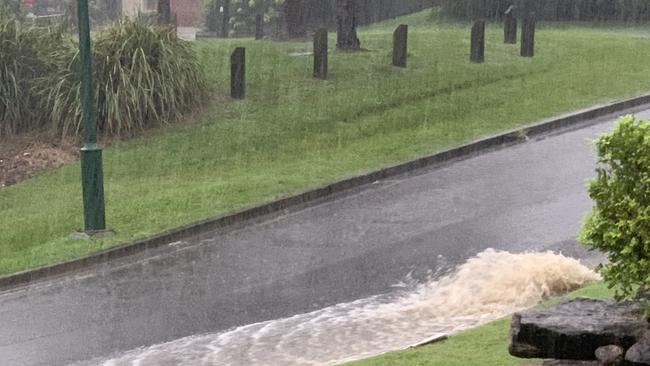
column 572, row 120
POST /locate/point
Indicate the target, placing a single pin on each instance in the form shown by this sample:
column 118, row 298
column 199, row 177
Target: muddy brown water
column 488, row 286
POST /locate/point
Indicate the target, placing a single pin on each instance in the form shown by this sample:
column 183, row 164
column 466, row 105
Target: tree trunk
column 113, row 9
column 346, row 36
column 225, row 19
column 164, row 12
column 212, row 18
column 294, row 13
column 259, row 27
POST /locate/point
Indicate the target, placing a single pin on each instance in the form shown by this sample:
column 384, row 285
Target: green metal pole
column 91, row 154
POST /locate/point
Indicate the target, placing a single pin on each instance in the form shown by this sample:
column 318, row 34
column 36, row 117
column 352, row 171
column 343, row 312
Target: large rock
column 571, row 363
column 611, row 355
column 574, row 329
column 639, row 353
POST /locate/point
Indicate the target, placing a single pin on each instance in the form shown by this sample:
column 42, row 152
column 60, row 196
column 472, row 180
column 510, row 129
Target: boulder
column 574, row 329
column 611, row 355
column 639, row 353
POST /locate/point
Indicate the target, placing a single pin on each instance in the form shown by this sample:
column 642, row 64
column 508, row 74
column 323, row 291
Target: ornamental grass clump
column 23, row 60
column 619, row 223
column 144, row 76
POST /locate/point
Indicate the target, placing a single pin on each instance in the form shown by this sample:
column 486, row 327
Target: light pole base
column 88, row 235
column 92, row 180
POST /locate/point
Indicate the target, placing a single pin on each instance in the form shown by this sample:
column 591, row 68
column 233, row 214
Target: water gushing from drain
column 487, row 287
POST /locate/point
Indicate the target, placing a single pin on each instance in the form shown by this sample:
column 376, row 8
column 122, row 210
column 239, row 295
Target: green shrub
column 23, row 59
column 144, row 76
column 12, row 9
column 619, row 223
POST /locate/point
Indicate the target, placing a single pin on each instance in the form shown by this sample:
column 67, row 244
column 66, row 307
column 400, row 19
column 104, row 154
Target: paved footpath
column 527, row 197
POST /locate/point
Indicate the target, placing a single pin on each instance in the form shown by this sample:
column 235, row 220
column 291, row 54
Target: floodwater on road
column 413, row 248
column 488, row 286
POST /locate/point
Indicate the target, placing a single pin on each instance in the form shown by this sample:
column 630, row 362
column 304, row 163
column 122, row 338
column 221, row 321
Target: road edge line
column 542, row 127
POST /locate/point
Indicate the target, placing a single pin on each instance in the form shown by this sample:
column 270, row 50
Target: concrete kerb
column 241, row 217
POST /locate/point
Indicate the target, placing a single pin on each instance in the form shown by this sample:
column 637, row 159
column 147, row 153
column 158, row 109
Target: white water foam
column 487, row 287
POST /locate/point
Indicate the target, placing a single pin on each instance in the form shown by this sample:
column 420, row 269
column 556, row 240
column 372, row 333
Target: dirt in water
column 488, row 286
column 28, row 155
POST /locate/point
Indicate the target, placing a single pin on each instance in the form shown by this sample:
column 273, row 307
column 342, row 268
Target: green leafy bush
column 619, row 223
column 13, row 9
column 24, row 58
column 144, row 76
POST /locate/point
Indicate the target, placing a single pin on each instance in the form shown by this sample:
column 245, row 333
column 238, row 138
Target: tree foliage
column 619, row 223
column 554, row 10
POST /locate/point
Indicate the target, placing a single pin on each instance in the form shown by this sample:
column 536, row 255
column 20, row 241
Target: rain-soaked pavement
column 530, row 197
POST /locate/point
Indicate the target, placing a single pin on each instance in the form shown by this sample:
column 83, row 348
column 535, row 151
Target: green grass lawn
column 294, row 132
column 486, row 345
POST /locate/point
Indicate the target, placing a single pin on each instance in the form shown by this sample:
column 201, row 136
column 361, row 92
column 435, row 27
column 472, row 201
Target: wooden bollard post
column 528, row 36
column 259, row 27
column 238, row 73
column 400, row 45
column 510, row 27
column 320, row 54
column 477, row 48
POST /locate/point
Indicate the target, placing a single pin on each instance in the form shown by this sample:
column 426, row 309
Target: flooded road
column 225, row 290
column 487, row 287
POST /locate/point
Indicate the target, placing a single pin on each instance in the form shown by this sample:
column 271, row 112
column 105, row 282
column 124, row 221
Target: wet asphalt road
column 528, row 197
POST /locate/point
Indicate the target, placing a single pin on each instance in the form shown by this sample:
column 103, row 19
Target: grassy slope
column 294, row 132
column 486, row 345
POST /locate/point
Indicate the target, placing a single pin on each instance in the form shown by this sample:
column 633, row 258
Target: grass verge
column 294, row 132
column 486, row 345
